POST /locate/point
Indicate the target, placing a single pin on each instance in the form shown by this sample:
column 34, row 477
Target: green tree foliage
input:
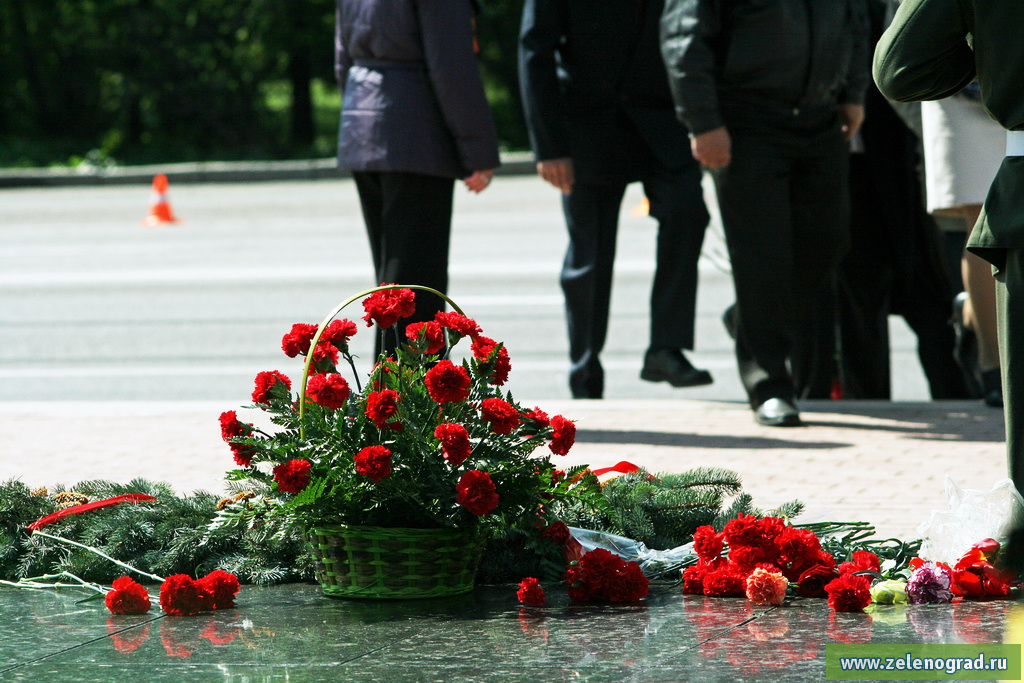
column 164, row 80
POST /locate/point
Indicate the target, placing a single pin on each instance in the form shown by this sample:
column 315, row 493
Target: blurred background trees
column 150, row 81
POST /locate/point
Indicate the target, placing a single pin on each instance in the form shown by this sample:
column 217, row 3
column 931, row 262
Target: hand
column 853, row 116
column 479, row 181
column 558, row 172
column 712, row 149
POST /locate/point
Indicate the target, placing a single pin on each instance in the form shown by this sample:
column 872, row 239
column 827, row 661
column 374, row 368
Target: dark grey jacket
column 737, row 58
column 412, row 95
column 594, row 88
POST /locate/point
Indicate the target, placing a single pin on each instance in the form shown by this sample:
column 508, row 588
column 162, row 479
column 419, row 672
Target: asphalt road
column 95, row 307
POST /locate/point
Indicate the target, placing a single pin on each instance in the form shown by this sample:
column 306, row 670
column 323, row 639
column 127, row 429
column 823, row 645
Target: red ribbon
column 85, row 507
column 622, row 467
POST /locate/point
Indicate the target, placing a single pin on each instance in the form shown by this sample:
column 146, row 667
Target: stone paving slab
column 879, row 462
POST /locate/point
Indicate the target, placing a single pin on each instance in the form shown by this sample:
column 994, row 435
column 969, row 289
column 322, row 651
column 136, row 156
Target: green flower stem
column 35, row 583
column 323, row 325
column 154, row 577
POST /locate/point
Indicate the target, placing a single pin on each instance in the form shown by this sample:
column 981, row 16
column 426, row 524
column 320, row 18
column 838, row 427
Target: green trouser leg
column 1010, row 309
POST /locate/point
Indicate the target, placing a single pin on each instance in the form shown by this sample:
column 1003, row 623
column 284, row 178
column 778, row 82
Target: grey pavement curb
column 512, row 163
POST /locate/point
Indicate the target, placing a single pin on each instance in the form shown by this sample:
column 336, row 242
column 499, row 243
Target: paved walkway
column 884, row 463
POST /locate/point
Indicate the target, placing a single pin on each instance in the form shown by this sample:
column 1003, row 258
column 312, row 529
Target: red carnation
column 242, row 453
column 629, row 584
column 493, row 358
column 218, row 589
column 325, row 356
column 476, row 492
column 558, row 533
column 454, row 442
column 339, row 332
column 862, row 561
column 330, row 390
column 387, row 306
column 693, row 578
column 447, row 382
column 298, row 339
column 502, row 415
column 292, row 476
column 431, row 332
column 381, row 406
column 458, row 323
column 811, row 583
column 180, row 596
column 539, row 419
column 271, row 385
column 564, row 435
column 127, row 597
column 725, row 581
column 798, row 550
column 531, row 592
column 707, row 543
column 230, row 426
column 374, row 462
column 849, row 593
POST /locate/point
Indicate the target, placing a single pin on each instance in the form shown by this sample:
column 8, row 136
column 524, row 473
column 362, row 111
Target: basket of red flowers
column 395, row 480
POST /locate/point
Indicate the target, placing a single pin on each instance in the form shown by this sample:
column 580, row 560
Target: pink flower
column 766, row 588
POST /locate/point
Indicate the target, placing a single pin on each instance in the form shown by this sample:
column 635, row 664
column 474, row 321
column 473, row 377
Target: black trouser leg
column 408, row 220
column 1010, row 307
column 784, row 209
column 592, row 217
column 677, row 203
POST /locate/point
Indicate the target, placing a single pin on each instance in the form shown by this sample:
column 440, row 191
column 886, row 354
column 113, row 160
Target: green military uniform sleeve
column 924, row 54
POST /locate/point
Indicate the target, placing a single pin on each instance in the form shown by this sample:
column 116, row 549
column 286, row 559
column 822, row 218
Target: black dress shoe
column 965, row 349
column 777, row 412
column 992, row 384
column 670, row 365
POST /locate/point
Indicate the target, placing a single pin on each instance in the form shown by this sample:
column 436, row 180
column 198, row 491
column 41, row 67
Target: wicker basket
column 385, row 563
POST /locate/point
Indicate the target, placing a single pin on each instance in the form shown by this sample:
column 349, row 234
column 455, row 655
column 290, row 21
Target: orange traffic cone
column 159, row 207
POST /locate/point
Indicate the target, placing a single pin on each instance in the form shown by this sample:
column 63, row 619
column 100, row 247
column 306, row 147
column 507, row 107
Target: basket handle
column 323, row 325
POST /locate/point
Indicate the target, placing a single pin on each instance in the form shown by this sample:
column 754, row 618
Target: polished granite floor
column 293, row 634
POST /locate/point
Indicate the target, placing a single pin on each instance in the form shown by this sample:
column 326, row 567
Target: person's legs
column 754, row 199
column 408, row 220
column 979, row 312
column 677, row 203
column 591, row 216
column 820, row 210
